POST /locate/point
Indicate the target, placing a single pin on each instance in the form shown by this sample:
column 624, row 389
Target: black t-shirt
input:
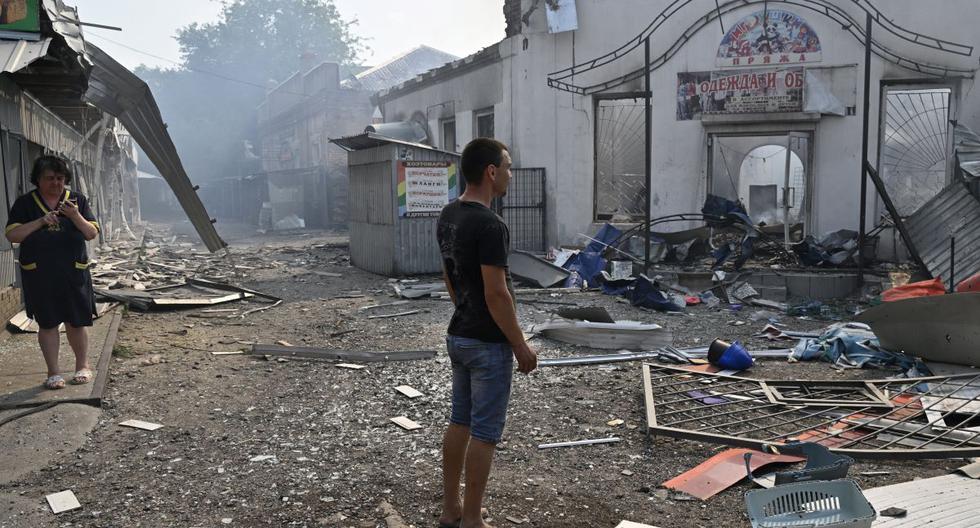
column 471, row 235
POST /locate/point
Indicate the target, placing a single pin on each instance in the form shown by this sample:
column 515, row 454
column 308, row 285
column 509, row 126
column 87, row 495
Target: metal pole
column 648, row 137
column 864, row 147
column 952, row 264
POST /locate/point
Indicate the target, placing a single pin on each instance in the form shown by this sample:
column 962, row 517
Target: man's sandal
column 82, row 377
column 54, row 382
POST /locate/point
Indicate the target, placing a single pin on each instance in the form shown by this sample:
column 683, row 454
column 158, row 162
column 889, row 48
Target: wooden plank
column 140, row 424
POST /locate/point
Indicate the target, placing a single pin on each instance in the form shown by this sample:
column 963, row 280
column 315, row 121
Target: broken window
column 484, row 123
column 915, row 145
column 620, row 157
column 449, row 135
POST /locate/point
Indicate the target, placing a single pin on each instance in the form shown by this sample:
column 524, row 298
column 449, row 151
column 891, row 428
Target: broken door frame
column 788, row 131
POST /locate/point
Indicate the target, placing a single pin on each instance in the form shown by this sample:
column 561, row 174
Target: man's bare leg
column 454, row 444
column 479, row 459
column 50, row 342
column 78, row 339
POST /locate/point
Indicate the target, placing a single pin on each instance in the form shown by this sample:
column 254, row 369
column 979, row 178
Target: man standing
column 484, row 336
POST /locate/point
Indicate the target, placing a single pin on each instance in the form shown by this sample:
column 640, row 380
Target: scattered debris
column 851, row 345
column 610, row 440
column 723, row 471
column 515, row 520
column 283, row 342
column 392, row 518
column 408, row 391
column 418, row 291
column 615, row 423
column 350, row 366
column 382, row 305
column 631, row 524
column 172, row 297
column 629, row 335
column 535, row 270
column 263, row 458
column 894, row 512
column 63, row 501
column 406, row 423
column 228, row 353
column 388, row 316
column 341, row 355
column 140, row 424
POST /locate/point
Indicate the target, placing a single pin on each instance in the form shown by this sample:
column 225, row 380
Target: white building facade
column 569, row 98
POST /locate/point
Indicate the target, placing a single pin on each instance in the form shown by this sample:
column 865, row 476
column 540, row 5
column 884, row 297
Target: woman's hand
column 50, row 219
column 69, row 209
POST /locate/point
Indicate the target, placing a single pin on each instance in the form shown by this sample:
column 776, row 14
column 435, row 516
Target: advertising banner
column 769, row 38
column 20, row 19
column 425, row 187
column 739, row 92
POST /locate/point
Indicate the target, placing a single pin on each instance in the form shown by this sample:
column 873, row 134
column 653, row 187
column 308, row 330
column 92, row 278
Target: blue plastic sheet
column 850, row 345
column 607, row 235
column 646, row 294
column 587, row 264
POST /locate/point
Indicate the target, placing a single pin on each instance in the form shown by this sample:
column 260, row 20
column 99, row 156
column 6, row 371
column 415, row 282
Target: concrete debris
column 63, row 501
column 408, row 391
column 140, row 424
column 406, row 423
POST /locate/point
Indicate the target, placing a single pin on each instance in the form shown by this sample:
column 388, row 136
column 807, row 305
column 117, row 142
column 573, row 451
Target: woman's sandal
column 82, row 377
column 54, row 382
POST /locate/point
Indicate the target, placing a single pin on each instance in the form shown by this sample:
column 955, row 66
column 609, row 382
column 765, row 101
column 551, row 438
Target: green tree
column 209, row 101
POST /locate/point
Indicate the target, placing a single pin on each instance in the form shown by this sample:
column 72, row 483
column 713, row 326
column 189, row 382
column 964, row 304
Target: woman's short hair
column 50, row 163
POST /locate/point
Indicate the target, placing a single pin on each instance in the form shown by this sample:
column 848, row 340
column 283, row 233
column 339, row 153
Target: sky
column 460, row 27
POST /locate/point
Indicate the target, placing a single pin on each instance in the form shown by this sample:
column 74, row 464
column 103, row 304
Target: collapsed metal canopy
column 17, row 54
column 115, row 90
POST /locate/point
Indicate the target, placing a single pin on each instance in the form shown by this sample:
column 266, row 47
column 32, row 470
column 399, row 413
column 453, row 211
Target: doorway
column 769, row 174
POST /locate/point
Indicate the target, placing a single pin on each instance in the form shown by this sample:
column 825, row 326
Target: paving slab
column 22, row 369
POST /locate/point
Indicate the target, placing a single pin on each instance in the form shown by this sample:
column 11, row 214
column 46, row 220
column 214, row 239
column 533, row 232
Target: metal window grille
column 523, row 209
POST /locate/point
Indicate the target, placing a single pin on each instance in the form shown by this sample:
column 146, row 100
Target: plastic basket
column 815, row 504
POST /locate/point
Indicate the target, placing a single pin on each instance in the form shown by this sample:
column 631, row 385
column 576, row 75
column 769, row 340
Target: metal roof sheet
column 400, row 69
column 368, row 140
column 948, row 501
column 17, row 54
column 952, row 212
column 115, row 90
column 967, row 145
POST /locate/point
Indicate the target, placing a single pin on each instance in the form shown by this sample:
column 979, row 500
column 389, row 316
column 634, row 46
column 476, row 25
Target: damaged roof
column 399, row 69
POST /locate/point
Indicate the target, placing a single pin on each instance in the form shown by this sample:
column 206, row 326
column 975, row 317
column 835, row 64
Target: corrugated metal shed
column 952, row 212
column 967, row 144
column 400, row 69
column 382, row 241
column 948, row 501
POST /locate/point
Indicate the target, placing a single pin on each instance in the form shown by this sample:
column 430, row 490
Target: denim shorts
column 482, row 374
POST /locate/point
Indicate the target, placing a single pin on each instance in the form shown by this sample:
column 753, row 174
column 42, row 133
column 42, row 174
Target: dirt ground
column 336, row 456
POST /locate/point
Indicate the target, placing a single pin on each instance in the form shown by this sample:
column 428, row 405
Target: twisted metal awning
column 561, row 79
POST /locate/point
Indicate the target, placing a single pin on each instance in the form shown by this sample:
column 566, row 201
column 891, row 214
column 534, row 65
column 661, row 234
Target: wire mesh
column 933, row 417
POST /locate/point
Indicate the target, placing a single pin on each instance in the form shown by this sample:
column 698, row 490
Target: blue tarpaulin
column 607, row 235
column 646, row 294
column 850, row 345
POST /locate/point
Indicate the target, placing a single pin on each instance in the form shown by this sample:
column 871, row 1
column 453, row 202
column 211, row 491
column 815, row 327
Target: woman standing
column 52, row 224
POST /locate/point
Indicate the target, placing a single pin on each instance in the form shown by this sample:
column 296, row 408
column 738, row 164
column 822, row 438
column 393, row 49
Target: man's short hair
column 478, row 155
column 50, row 163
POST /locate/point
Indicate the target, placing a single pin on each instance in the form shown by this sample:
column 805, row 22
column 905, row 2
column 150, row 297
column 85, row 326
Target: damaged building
column 61, row 95
column 299, row 180
column 733, row 86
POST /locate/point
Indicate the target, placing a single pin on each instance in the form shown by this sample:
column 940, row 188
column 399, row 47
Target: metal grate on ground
column 900, row 418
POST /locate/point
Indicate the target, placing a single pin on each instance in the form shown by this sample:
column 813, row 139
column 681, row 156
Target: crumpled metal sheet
column 117, row 91
column 953, row 212
column 967, row 145
column 628, row 335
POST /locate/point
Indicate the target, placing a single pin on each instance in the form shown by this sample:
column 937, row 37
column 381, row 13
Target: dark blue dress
column 57, row 286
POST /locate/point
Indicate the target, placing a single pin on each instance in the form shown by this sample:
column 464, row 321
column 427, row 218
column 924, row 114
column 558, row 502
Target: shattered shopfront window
column 620, row 191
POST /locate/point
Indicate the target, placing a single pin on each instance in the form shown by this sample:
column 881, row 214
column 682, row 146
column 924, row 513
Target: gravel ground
column 334, row 455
